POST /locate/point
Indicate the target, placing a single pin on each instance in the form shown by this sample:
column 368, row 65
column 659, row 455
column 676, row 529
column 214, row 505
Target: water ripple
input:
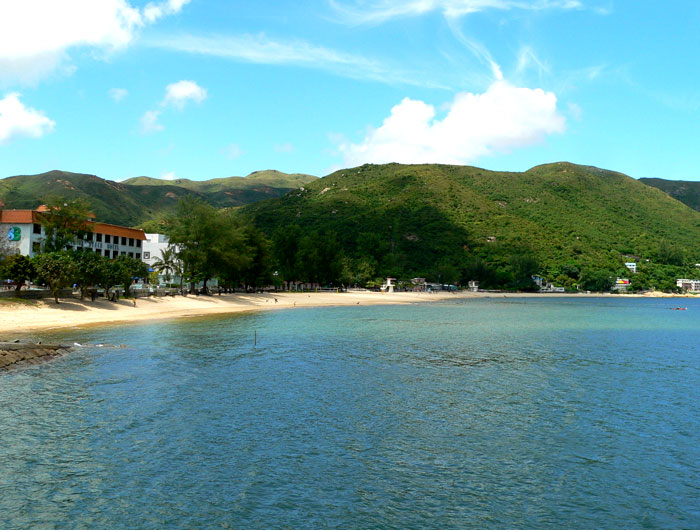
column 535, row 414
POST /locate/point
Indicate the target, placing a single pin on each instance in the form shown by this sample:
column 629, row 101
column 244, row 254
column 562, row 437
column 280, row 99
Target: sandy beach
column 45, row 314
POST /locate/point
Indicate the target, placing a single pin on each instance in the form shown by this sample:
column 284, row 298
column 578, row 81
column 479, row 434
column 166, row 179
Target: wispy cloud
column 261, row 49
column 117, row 94
column 527, row 59
column 478, row 50
column 285, row 147
column 150, row 123
column 377, row 11
column 232, row 151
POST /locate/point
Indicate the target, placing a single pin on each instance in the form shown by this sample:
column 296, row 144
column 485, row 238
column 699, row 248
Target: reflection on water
column 536, row 414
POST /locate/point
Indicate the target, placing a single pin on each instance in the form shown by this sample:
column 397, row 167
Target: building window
column 138, row 243
column 108, row 238
column 123, row 241
column 146, row 255
column 36, row 228
column 115, row 254
column 88, row 236
column 36, row 247
column 131, row 241
column 98, row 237
column 131, row 254
column 138, row 255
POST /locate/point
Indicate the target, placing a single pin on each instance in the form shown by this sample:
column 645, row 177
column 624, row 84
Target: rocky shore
column 13, row 354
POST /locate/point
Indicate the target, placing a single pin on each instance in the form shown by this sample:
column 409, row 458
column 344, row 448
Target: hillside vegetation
column 143, row 199
column 686, row 192
column 563, row 220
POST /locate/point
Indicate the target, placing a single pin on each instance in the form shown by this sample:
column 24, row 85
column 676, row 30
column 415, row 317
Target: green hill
column 415, row 219
column 686, row 192
column 269, row 178
column 143, row 199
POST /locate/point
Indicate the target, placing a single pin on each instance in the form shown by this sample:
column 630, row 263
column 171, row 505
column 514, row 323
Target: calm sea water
column 493, row 413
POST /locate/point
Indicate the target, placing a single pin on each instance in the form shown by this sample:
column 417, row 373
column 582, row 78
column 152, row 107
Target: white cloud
column 170, row 175
column 232, row 151
column 177, row 94
column 475, row 125
column 36, row 35
column 285, row 147
column 18, row 120
column 364, row 11
column 117, row 94
column 150, row 123
column 153, row 11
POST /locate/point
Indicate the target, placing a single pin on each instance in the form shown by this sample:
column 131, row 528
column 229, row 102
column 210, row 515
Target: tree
column 126, row 269
column 285, row 249
column 89, row 269
column 64, row 221
column 109, row 276
column 210, row 242
column 19, row 269
column 669, row 254
column 256, row 269
column 55, row 269
column 320, row 258
column 597, row 280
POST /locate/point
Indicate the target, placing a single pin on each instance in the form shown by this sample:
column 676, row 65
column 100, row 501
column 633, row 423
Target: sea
column 481, row 413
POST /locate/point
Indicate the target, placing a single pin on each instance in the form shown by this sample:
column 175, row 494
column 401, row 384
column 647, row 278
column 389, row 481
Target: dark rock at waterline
column 17, row 353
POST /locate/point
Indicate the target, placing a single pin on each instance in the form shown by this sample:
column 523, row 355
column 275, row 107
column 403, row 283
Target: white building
column 25, row 235
column 632, row 266
column 153, row 248
column 692, row 286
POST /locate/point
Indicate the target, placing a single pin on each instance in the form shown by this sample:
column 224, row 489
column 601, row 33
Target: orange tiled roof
column 17, row 216
column 121, row 231
column 30, row 216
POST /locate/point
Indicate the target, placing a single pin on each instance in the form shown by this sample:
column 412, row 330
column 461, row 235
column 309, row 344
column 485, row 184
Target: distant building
column 418, row 284
column 632, row 266
column 473, row 286
column 25, row 235
column 692, row 286
column 546, row 287
column 621, row 285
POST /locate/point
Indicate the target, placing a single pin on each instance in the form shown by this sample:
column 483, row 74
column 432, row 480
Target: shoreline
column 18, row 318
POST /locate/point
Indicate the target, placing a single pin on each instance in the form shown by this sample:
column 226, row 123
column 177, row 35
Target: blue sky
column 210, row 88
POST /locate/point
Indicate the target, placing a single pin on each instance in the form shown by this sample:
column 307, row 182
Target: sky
column 204, row 89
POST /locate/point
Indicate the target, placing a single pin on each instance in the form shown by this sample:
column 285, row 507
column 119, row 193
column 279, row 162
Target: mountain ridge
column 147, row 200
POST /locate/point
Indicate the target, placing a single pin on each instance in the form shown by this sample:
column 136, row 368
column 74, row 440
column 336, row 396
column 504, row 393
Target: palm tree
column 168, row 262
